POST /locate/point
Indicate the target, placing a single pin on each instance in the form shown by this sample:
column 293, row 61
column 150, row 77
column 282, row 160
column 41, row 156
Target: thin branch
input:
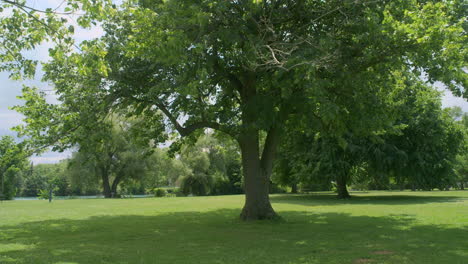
column 47, row 27
column 37, row 10
column 55, row 9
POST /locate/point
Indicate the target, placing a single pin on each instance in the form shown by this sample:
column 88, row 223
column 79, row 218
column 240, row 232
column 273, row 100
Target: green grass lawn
column 374, row 227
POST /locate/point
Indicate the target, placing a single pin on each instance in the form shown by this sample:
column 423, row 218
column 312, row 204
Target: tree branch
column 185, row 131
column 37, row 10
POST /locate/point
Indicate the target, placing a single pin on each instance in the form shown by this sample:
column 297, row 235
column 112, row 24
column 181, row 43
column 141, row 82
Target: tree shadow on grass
column 215, row 237
column 331, row 199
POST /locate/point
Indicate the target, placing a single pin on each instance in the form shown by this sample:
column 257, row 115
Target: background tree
column 112, row 154
column 419, row 148
column 430, row 141
column 13, row 160
column 460, row 164
column 38, row 176
column 214, row 161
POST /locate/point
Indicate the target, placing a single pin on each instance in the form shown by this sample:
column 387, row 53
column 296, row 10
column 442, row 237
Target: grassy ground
column 374, row 227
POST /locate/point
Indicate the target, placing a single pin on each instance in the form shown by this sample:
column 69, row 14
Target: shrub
column 44, row 194
column 160, row 192
column 274, row 188
column 196, row 184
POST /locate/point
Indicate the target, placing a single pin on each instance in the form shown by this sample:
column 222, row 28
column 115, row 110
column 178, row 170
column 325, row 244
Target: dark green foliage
column 460, row 164
column 11, row 176
column 215, row 167
column 13, row 161
column 418, row 150
column 160, row 192
column 39, row 176
column 112, row 155
column 429, row 142
column 44, row 194
column 196, row 184
column 275, row 188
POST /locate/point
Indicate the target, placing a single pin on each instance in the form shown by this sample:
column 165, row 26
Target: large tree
column 246, row 67
column 419, row 149
column 429, row 141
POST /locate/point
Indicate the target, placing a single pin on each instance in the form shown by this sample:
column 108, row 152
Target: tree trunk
column 294, row 188
column 257, row 178
column 105, row 183
column 114, row 185
column 341, row 187
column 462, row 186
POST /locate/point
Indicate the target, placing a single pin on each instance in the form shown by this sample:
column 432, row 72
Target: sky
column 9, row 90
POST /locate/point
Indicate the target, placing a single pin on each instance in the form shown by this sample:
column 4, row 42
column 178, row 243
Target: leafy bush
column 178, row 193
column 274, row 188
column 196, row 184
column 171, row 190
column 44, row 194
column 160, row 192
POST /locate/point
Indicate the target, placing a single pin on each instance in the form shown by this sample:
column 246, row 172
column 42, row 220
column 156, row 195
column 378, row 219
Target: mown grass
column 374, row 227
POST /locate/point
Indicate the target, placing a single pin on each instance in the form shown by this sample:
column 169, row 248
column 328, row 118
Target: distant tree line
column 209, row 166
column 429, row 150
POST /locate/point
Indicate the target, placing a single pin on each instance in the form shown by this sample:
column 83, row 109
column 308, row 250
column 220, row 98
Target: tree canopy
column 418, row 151
column 13, row 160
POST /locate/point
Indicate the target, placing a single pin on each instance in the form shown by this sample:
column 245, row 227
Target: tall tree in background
column 112, row 154
column 215, row 167
column 246, row 67
column 13, row 160
column 419, row 149
column 430, row 140
column 461, row 161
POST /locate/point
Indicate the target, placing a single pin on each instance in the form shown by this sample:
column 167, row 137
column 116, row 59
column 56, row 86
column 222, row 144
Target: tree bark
column 294, row 188
column 105, row 183
column 257, row 178
column 462, row 186
column 115, row 184
column 341, row 187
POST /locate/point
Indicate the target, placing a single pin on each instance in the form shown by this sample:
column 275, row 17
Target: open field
column 374, row 227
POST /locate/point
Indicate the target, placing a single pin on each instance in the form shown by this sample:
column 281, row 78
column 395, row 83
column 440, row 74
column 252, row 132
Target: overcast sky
column 9, row 89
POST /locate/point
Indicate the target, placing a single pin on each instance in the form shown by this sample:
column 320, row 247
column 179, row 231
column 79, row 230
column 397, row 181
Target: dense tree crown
column 247, row 68
column 418, row 153
column 13, row 159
